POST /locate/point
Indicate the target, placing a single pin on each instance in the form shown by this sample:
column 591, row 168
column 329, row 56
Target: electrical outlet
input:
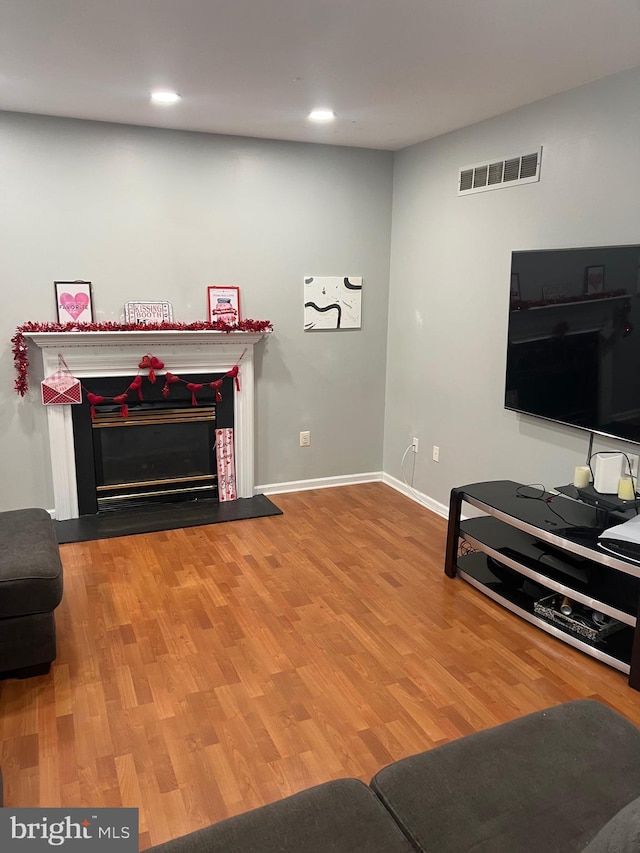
column 305, row 438
column 436, row 453
column 414, row 444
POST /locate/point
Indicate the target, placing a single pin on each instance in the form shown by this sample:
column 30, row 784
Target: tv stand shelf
column 528, row 545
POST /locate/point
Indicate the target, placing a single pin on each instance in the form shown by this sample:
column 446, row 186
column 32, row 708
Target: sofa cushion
column 30, row 567
column 621, row 834
column 530, row 785
column 338, row 817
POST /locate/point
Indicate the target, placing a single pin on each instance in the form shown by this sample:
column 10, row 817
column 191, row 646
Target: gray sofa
column 560, row 780
column 30, row 591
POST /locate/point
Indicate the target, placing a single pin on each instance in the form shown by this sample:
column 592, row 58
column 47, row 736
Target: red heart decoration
column 217, row 385
column 136, row 385
column 193, row 387
column 156, row 363
column 146, row 362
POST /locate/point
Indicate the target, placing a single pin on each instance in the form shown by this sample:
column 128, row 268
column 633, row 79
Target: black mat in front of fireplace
column 166, row 516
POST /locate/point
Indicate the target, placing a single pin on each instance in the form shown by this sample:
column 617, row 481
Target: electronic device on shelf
column 574, row 566
column 626, row 550
column 623, row 540
column 567, row 353
column 611, row 503
column 606, row 503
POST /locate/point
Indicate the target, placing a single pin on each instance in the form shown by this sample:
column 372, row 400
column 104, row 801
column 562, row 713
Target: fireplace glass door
column 155, row 454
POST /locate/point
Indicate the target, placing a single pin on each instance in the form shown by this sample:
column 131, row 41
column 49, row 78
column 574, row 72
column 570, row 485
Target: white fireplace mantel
column 92, row 354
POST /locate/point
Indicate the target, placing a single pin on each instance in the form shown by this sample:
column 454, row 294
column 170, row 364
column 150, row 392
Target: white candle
column 581, row 476
column 626, row 491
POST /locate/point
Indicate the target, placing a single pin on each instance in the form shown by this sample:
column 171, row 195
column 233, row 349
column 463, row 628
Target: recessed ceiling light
column 321, row 115
column 165, row 97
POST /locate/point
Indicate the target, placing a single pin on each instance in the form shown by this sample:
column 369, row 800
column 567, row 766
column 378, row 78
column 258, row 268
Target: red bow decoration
column 94, row 400
column 233, row 373
column 122, row 399
column 151, row 363
column 136, row 385
column 193, row 387
column 217, row 385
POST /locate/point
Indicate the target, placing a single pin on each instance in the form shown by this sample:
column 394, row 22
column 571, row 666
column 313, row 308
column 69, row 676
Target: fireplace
column 162, row 452
column 93, row 356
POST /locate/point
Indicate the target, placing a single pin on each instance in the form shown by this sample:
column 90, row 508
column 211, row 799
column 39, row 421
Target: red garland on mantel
column 19, row 345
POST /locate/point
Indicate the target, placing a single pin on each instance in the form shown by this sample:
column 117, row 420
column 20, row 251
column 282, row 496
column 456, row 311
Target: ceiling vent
column 500, row 172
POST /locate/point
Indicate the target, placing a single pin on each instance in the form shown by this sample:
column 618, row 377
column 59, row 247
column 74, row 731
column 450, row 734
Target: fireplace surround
column 109, row 354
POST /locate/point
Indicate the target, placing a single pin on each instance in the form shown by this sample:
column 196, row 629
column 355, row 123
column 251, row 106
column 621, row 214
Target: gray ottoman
column 30, row 590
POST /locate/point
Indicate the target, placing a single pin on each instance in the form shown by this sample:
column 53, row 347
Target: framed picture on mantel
column 224, row 304
column 594, row 280
column 74, row 303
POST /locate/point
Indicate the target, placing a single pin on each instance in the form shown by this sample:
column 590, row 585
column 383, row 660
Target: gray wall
column 152, row 214
column 449, row 291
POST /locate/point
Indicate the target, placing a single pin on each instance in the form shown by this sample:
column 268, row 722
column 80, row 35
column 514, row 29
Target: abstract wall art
column 332, row 302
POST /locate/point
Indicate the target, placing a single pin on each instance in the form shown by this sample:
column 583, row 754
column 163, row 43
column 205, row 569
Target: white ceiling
column 395, row 71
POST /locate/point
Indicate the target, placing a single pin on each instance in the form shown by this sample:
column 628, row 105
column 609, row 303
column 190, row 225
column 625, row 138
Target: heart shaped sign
column 74, row 305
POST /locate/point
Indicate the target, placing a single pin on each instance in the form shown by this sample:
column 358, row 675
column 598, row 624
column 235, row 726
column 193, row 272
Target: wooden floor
column 205, row 671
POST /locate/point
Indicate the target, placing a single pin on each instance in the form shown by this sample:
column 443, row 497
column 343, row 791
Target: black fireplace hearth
column 166, row 516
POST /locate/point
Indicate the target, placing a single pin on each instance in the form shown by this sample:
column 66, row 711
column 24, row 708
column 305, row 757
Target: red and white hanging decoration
column 60, row 389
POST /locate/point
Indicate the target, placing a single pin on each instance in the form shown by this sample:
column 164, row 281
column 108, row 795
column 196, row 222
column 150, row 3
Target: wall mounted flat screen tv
column 573, row 353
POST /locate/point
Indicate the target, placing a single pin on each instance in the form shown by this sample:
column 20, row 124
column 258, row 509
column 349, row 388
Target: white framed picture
column 223, row 304
column 74, row 302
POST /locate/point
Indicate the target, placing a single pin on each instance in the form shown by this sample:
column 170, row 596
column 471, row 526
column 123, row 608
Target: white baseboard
column 418, row 497
column 319, row 483
column 352, row 480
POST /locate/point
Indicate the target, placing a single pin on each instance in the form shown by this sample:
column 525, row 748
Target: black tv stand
column 522, row 551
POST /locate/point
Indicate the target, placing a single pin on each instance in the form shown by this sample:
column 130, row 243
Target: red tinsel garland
column 19, row 344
